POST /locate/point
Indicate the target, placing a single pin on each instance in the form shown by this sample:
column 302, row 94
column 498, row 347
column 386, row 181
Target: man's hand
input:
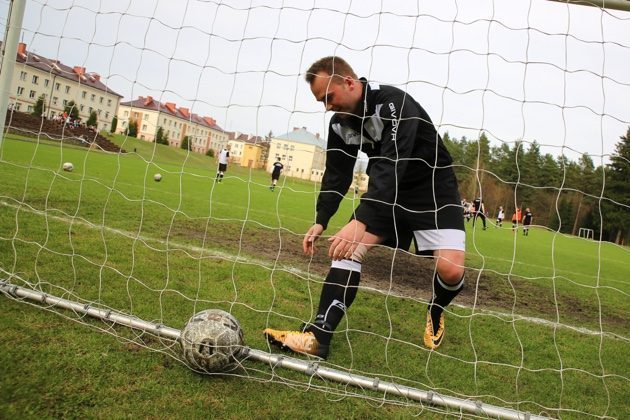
column 308, row 244
column 344, row 242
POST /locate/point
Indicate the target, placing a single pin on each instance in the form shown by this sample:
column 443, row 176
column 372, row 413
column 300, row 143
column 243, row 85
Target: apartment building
column 247, row 150
column 59, row 84
column 176, row 123
column 302, row 153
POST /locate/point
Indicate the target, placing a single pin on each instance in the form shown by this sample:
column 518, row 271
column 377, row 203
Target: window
column 30, row 108
column 292, row 147
column 146, row 117
column 109, row 102
column 32, row 94
column 20, row 91
column 99, row 112
column 144, row 127
column 93, row 97
column 90, row 109
column 65, row 102
column 67, row 89
column 55, row 99
column 83, row 94
column 46, row 82
column 82, row 107
column 100, row 101
column 35, row 79
column 57, row 86
column 107, row 114
column 17, row 106
column 23, row 75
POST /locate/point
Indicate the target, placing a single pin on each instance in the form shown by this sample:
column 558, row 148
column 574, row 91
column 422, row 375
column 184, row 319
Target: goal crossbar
column 313, row 369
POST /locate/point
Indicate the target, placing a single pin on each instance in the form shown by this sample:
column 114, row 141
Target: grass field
column 543, row 325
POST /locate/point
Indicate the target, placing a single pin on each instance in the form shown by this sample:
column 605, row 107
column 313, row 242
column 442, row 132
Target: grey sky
column 527, row 70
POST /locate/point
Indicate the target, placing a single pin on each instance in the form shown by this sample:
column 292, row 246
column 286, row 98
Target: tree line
column 564, row 195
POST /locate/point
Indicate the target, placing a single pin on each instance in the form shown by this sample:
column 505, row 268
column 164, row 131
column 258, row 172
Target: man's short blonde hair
column 332, row 65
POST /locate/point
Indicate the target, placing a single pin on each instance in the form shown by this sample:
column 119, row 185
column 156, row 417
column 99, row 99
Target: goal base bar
column 310, row 368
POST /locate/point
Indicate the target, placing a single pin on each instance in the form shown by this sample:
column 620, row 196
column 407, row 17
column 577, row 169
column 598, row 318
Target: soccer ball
column 212, row 341
column 68, row 166
column 157, row 177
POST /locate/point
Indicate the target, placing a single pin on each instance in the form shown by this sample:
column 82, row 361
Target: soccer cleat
column 296, row 341
column 432, row 340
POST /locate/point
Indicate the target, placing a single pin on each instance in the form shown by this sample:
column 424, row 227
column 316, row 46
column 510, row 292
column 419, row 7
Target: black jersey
column 409, row 165
column 527, row 218
column 277, row 168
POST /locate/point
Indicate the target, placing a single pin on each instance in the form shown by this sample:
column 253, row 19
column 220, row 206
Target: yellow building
column 302, row 153
column 248, row 151
column 176, row 123
column 36, row 76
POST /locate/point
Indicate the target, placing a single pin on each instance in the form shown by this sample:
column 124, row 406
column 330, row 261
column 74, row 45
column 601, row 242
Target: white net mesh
column 530, row 97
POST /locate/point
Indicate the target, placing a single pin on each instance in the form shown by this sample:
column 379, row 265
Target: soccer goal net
column 159, row 159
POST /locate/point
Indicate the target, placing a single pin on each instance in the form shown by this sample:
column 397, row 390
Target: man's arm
column 340, row 160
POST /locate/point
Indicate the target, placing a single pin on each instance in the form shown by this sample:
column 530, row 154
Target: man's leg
column 338, row 293
column 448, row 282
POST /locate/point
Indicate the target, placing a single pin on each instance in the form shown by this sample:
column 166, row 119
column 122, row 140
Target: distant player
column 480, row 211
column 516, row 218
column 275, row 174
column 500, row 217
column 527, row 220
column 224, row 155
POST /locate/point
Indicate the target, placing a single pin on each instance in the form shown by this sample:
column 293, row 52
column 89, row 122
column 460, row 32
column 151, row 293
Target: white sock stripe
column 452, row 288
column 347, row 265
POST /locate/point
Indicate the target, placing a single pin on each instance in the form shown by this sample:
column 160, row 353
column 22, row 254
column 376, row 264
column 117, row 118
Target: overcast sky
column 534, row 70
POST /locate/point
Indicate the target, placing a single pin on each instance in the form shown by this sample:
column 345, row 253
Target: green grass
column 108, row 234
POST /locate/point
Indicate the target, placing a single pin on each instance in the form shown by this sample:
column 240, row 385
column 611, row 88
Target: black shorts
column 275, row 176
column 397, row 223
column 222, row 167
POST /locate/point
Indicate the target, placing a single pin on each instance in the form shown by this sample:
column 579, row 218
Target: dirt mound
column 28, row 125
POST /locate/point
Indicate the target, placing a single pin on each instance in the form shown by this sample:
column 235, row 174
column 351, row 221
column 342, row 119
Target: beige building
column 36, row 76
column 176, row 123
column 302, row 153
column 248, row 151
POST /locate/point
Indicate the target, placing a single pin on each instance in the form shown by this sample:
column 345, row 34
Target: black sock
column 443, row 294
column 338, row 293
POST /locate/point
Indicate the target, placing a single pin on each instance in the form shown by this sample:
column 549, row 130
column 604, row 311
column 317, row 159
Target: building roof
column 302, row 135
column 245, row 138
column 171, row 109
column 55, row 67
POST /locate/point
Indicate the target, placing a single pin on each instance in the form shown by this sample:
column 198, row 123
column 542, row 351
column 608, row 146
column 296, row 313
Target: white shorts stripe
column 347, row 265
column 440, row 239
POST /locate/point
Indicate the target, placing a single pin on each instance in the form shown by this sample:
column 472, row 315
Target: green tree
column 72, row 110
column 161, row 137
column 210, row 153
column 114, row 124
column 132, row 129
column 40, row 107
column 186, row 143
column 617, row 193
column 91, row 122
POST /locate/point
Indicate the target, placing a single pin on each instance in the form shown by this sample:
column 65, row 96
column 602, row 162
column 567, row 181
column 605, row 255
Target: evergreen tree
column 114, row 124
column 40, row 107
column 72, row 110
column 160, row 137
column 132, row 129
column 186, row 143
column 617, row 192
column 91, row 122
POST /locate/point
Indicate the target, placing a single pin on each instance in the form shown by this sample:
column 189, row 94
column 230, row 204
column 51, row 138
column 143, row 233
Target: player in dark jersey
column 480, row 211
column 412, row 194
column 527, row 220
column 275, row 174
